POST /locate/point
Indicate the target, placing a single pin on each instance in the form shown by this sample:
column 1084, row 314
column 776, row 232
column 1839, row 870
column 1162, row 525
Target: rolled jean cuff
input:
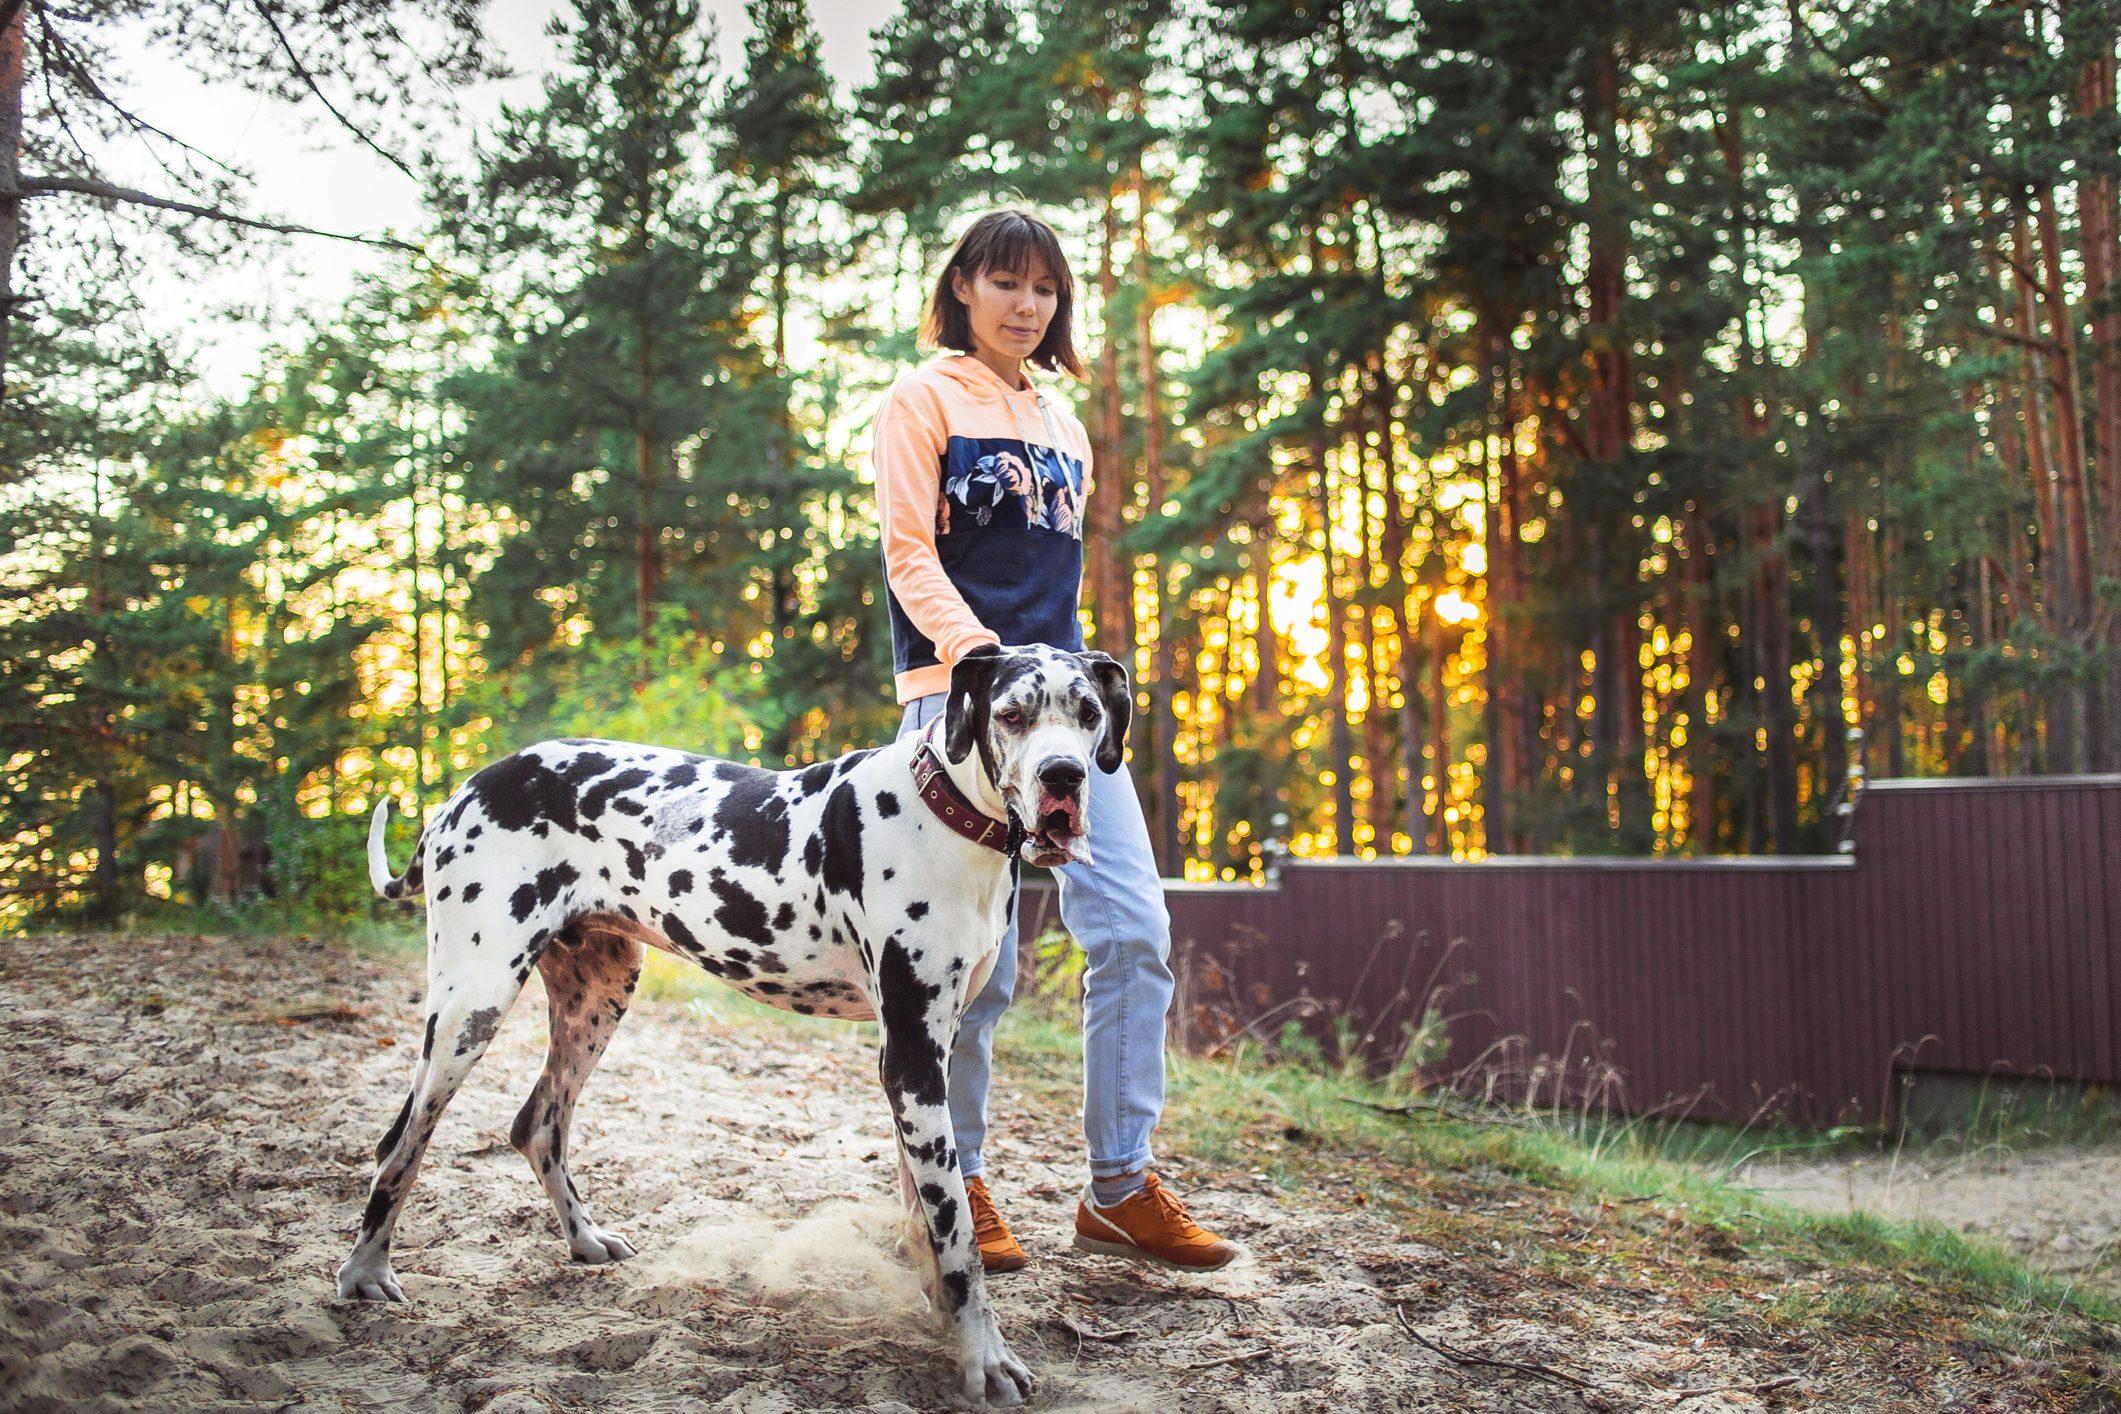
column 1108, row 1169
column 970, row 1166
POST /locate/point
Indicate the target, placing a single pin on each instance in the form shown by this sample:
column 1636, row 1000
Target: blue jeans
column 1114, row 908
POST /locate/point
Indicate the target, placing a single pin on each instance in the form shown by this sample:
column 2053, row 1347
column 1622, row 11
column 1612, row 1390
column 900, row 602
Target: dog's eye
column 1090, row 714
column 1010, row 716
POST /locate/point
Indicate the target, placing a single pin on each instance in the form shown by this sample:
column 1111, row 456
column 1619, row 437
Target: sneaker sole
column 1136, row 1254
column 994, row 1266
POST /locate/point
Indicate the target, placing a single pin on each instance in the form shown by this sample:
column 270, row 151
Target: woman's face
column 1008, row 310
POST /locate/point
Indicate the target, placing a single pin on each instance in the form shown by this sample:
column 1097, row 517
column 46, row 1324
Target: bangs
column 1016, row 245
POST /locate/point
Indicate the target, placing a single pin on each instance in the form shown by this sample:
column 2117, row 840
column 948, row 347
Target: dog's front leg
column 919, row 1024
column 913, row 1243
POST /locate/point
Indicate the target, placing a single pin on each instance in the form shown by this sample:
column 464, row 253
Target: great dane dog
column 875, row 885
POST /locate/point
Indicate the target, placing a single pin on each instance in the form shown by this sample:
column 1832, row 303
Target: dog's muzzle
column 1057, row 831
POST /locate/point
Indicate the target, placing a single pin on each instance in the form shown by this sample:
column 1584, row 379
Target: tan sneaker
column 998, row 1250
column 1150, row 1226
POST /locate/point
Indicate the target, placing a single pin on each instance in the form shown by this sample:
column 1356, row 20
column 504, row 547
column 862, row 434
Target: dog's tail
column 412, row 882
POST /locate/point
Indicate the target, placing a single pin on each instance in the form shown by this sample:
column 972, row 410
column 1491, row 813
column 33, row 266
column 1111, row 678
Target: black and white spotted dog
column 837, row 890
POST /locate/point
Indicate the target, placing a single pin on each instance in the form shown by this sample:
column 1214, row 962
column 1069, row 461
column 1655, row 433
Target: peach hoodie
column 980, row 488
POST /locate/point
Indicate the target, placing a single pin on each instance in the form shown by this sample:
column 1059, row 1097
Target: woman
column 980, row 480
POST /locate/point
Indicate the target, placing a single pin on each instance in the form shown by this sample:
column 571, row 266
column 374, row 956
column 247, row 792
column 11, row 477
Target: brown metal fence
column 1976, row 928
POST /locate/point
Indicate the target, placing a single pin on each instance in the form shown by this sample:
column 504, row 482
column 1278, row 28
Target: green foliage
column 319, row 867
column 1054, row 965
column 670, row 690
column 1730, row 315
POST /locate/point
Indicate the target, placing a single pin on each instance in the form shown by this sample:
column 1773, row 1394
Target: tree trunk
column 1163, row 701
column 1888, row 590
column 780, row 285
column 10, row 178
column 2099, row 235
column 421, row 723
column 2057, row 611
column 1631, row 790
column 445, row 694
column 2004, row 423
column 786, row 605
column 1520, row 720
column 1111, row 586
column 1863, row 616
column 103, row 828
column 1376, row 719
column 1267, row 681
column 1343, row 747
column 102, row 796
column 1607, row 433
column 644, row 505
column 1703, row 637
column 1817, row 510
column 1414, row 818
column 2077, row 699
column 1772, row 646
column 1503, row 775
column 1981, row 630
column 1407, row 662
column 1439, row 736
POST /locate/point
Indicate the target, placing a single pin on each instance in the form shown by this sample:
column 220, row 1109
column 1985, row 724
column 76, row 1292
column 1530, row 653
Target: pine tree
column 618, row 288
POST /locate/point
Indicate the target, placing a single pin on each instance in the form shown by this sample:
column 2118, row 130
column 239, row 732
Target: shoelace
column 986, row 1222
column 1174, row 1211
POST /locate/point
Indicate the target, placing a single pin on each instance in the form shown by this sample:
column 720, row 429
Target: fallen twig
column 1081, row 1334
column 1466, row 1357
column 1238, row 1358
column 1682, row 1396
column 310, row 1011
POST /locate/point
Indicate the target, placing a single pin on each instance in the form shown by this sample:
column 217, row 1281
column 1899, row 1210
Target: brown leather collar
column 950, row 806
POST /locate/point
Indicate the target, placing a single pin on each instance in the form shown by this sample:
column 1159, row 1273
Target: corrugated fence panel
column 2074, row 950
column 2106, row 923
column 1973, row 929
column 2109, row 870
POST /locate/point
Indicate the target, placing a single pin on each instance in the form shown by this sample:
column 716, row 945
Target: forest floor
column 188, row 1134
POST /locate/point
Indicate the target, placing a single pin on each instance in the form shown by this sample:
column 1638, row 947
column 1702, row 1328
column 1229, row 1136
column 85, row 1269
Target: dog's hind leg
column 467, row 995
column 589, row 977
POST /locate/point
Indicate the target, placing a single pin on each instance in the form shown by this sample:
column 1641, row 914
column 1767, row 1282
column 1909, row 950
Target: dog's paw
column 1003, row 1383
column 369, row 1283
column 592, row 1246
column 991, row 1372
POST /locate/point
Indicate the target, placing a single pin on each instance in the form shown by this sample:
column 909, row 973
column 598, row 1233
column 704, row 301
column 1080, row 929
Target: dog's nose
column 1060, row 775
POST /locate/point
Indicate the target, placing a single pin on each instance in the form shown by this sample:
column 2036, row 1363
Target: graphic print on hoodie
column 980, row 488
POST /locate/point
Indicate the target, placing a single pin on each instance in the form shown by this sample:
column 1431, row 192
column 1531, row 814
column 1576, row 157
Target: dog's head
column 1040, row 718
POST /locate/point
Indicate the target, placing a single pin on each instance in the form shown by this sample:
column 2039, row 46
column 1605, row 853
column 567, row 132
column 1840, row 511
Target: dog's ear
column 1117, row 694
column 971, row 694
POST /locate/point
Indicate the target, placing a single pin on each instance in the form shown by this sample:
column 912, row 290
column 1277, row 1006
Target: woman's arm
column 907, row 454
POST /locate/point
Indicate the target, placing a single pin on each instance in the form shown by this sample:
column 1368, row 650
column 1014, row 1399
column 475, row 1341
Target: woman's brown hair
column 1013, row 241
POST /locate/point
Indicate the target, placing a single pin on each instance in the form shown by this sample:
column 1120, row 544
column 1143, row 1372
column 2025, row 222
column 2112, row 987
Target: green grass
column 1579, row 1197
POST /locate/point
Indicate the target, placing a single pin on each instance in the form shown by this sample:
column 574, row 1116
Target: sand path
column 183, row 1163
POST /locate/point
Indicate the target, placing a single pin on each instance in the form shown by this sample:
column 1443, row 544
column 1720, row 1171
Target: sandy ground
column 2059, row 1208
column 186, row 1139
